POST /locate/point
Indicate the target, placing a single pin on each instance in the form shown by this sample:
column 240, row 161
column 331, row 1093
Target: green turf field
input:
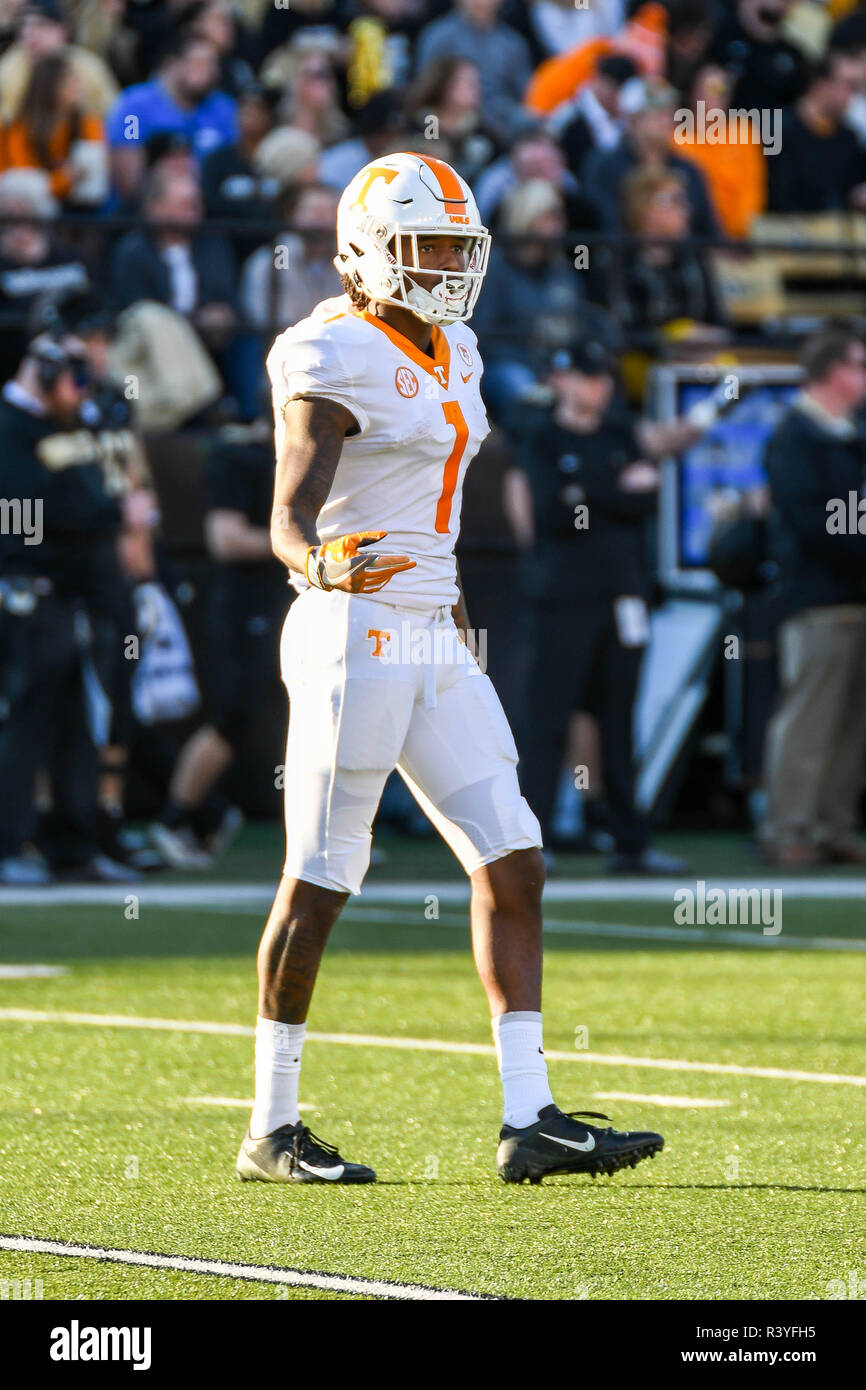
column 112, row 1137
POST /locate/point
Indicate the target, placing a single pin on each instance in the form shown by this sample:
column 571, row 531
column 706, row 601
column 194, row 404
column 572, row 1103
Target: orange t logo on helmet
column 370, row 175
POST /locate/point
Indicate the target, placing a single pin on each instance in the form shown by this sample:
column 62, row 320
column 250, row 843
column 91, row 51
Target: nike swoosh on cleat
column 586, row 1147
column 329, row 1174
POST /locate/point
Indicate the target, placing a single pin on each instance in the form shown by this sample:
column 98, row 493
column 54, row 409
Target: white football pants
column 372, row 688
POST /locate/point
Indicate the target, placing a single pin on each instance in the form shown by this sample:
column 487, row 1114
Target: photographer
column 594, row 483
column 56, row 516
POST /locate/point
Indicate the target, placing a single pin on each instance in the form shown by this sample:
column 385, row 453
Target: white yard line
column 208, row 893
column 254, row 899
column 230, row 1102
column 628, row 931
column 613, row 889
column 675, row 1102
column 260, row 1274
column 30, row 972
column 603, row 1059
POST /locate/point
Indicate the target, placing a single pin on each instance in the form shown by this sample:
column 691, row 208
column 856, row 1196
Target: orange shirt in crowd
column 17, row 152
column 736, row 179
column 558, row 79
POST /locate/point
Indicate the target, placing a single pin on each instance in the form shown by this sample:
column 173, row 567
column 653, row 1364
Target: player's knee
column 529, row 874
column 302, row 904
column 514, row 883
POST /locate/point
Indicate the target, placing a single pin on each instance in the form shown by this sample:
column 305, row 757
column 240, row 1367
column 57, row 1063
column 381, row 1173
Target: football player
column 378, row 412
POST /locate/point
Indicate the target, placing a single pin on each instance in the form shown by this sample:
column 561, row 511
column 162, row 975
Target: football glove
column 337, row 564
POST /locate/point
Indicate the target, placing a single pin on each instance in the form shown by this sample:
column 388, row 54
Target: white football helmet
column 410, row 195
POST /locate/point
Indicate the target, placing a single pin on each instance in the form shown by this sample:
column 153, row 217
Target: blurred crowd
column 169, row 176
column 190, row 152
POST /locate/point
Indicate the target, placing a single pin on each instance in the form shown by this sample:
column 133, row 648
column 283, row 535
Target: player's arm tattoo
column 310, row 452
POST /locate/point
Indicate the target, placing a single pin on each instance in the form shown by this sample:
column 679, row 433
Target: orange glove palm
column 337, row 564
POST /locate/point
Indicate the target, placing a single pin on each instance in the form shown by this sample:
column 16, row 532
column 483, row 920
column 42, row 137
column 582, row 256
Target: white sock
column 520, row 1053
column 278, row 1071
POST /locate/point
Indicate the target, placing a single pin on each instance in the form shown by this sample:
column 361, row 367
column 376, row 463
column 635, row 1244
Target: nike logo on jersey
column 586, row 1147
column 466, row 378
column 329, row 1174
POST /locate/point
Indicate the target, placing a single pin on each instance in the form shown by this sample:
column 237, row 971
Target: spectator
column 170, row 153
column 588, row 584
column 312, row 98
column 474, row 31
column 217, row 23
column 282, row 25
column 119, row 559
column 47, row 451
column 102, row 27
column 820, row 166
column 379, row 130
column 593, row 121
column 690, row 33
column 445, row 103
column 182, row 98
column 552, row 27
column 282, row 284
column 666, row 286
column 286, row 158
column 650, row 110
column 643, row 40
column 32, row 262
column 734, row 168
column 816, row 740
column 43, row 30
column 849, row 37
column 175, row 262
column 532, row 297
column 231, row 184
column 52, row 131
column 765, row 70
column 534, row 154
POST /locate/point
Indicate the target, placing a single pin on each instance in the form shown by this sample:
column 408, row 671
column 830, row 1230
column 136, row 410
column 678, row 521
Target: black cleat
column 556, row 1143
column 294, row 1154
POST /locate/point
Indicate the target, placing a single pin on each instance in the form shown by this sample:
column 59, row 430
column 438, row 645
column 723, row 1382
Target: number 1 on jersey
column 454, row 415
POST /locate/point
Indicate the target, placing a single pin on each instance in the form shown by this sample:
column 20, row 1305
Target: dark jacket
column 808, row 467
column 813, row 173
column 603, row 559
column 60, row 469
column 139, row 271
column 648, row 296
column 762, row 74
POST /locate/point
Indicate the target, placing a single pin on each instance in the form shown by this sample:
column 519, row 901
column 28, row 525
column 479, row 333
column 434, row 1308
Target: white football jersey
column 421, row 420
